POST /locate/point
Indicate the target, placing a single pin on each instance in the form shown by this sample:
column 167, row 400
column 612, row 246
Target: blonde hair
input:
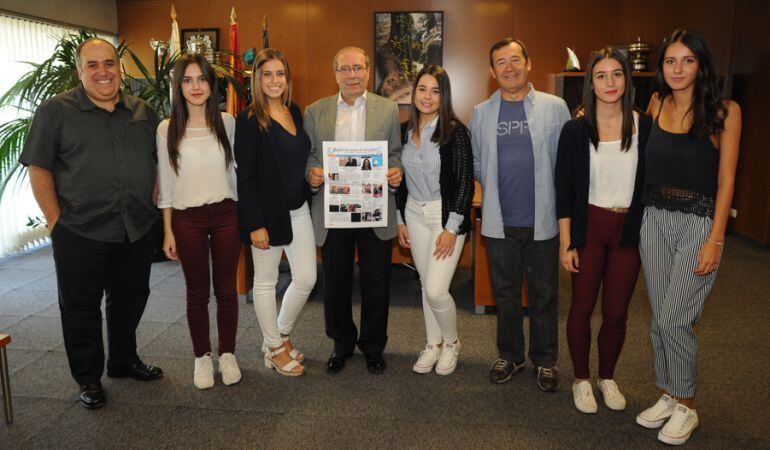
column 259, row 106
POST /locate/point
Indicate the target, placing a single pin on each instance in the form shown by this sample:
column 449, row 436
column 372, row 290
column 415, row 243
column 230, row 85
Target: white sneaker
column 583, row 394
column 656, row 415
column 447, row 361
column 428, row 358
column 228, row 367
column 680, row 426
column 203, row 377
column 612, row 396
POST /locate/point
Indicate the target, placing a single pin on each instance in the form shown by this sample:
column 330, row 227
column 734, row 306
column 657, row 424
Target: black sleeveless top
column 682, row 172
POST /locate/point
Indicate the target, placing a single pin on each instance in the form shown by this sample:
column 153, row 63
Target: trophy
column 201, row 43
column 573, row 64
column 159, row 46
column 638, row 51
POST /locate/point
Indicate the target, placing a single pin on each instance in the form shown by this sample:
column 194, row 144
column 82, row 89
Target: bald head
column 347, row 50
column 93, row 41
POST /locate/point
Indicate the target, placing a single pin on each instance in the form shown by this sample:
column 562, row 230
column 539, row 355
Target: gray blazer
column 382, row 124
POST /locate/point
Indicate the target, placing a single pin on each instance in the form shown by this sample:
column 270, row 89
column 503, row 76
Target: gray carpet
column 356, row 409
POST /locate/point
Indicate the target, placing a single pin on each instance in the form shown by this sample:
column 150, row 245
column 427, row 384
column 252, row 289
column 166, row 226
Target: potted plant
column 58, row 74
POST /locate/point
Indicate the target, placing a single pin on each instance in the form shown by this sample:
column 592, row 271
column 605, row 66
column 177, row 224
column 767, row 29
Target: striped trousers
column 669, row 247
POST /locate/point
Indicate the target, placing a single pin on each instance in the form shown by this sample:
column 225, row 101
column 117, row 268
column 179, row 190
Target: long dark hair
column 179, row 114
column 446, row 115
column 626, row 103
column 259, row 106
column 708, row 109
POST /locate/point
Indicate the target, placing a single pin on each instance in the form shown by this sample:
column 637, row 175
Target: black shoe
column 375, row 364
column 335, row 364
column 501, row 370
column 138, row 371
column 548, row 379
column 92, row 396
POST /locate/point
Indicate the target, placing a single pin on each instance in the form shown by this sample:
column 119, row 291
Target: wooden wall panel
column 311, row 31
column 141, row 20
column 547, row 28
column 751, row 72
column 658, row 18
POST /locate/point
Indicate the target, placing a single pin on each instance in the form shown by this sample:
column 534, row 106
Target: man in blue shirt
column 515, row 134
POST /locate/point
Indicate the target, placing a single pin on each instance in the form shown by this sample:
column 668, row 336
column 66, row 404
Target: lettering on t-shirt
column 513, row 127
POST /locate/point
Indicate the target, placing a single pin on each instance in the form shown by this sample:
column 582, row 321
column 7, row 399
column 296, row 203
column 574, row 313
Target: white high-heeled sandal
column 294, row 353
column 291, row 369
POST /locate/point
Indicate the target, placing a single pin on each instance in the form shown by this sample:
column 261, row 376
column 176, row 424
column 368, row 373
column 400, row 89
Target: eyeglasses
column 345, row 70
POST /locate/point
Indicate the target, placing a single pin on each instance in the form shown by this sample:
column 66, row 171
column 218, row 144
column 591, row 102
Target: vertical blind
column 22, row 41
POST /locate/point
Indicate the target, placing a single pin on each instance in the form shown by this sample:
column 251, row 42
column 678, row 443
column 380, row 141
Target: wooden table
column 5, row 339
column 482, row 281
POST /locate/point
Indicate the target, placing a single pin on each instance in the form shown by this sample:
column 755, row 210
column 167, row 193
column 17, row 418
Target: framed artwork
column 201, row 40
column 404, row 42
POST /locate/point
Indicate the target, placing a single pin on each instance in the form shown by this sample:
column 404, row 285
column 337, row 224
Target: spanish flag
column 234, row 103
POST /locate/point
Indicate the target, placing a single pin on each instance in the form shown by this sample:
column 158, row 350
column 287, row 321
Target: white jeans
column 423, row 221
column 301, row 254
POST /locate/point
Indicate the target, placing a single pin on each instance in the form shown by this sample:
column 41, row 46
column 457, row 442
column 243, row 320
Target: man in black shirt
column 91, row 158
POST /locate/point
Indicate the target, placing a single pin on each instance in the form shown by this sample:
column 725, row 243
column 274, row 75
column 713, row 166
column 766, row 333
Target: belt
column 616, row 210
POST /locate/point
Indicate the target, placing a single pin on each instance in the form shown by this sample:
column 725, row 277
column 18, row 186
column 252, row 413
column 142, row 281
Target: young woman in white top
column 198, row 194
column 599, row 183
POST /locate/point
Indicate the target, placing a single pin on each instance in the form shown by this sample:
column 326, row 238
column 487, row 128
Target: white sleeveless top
column 203, row 178
column 613, row 172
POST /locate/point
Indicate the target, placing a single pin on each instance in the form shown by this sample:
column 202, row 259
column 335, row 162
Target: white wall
column 100, row 15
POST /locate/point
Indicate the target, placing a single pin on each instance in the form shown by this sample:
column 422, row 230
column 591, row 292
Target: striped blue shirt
column 422, row 169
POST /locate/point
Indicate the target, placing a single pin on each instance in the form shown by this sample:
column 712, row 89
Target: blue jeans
column 517, row 255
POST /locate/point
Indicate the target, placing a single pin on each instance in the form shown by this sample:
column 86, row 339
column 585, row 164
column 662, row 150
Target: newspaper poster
column 355, row 184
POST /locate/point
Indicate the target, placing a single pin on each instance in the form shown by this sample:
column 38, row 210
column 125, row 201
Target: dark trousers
column 196, row 230
column 602, row 262
column 87, row 270
column 374, row 256
column 509, row 258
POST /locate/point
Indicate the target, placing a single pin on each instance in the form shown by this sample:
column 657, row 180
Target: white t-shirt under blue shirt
column 515, row 166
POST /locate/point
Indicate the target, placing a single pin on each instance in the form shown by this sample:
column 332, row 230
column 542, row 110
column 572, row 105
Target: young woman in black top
column 271, row 150
column 599, row 174
column 692, row 156
column 434, row 204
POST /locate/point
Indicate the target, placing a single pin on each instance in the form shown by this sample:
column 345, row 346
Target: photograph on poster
column 403, row 43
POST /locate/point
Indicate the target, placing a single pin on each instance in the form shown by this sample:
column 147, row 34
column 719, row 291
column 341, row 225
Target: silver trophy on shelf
column 638, row 52
column 159, row 46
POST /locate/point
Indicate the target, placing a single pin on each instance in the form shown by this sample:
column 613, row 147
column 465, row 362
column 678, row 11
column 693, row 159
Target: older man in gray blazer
column 354, row 114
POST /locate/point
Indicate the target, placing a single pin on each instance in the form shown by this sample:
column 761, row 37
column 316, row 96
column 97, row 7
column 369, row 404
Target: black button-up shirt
column 103, row 163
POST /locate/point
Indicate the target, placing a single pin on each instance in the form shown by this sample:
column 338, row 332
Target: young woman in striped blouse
column 434, row 205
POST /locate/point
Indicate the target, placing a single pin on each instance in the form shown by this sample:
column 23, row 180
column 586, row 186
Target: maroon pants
column 602, row 262
column 197, row 229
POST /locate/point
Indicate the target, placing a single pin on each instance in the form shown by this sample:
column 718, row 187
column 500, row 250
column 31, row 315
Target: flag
column 174, row 45
column 265, row 43
column 234, row 103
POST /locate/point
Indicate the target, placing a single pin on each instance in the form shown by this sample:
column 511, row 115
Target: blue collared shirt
column 546, row 114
